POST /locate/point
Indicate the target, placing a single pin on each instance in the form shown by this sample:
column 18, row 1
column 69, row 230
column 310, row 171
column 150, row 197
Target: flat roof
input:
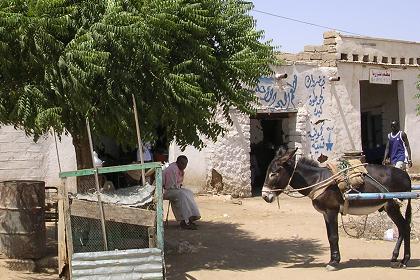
column 378, row 39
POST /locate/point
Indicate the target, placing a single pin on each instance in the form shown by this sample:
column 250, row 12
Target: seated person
column 182, row 200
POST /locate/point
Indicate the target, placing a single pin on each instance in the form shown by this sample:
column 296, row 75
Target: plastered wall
column 23, row 159
column 324, row 121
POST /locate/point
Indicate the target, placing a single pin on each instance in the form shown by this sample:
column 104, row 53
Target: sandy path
column 256, row 240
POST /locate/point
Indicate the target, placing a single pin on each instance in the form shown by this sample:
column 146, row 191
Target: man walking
column 398, row 148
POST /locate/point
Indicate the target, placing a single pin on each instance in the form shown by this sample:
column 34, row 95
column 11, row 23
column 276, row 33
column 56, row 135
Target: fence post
column 98, row 191
column 159, row 208
column 139, row 142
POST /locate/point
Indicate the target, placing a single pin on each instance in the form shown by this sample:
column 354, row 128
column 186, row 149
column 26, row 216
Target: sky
column 374, row 18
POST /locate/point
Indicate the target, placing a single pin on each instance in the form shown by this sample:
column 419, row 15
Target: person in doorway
column 182, row 200
column 397, row 148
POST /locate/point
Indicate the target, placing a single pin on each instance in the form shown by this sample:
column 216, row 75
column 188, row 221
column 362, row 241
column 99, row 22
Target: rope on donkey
column 318, row 185
column 328, row 181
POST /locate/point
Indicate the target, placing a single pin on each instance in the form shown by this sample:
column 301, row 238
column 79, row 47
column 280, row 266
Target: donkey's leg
column 331, row 221
column 393, row 211
column 407, row 235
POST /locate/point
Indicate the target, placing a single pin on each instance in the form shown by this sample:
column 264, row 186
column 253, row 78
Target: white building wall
column 324, row 116
column 352, row 73
column 23, row 159
column 327, row 120
column 378, row 47
column 317, row 121
column 312, row 127
column 196, row 171
column 230, row 157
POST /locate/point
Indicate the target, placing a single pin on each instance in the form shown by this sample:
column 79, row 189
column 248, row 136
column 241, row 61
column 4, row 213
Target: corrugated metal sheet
column 119, row 264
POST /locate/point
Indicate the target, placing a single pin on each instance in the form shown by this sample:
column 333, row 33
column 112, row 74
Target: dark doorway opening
column 378, row 107
column 267, row 135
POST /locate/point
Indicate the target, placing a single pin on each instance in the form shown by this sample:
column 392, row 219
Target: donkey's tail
column 408, row 212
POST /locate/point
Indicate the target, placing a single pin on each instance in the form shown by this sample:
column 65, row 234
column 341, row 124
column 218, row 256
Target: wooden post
column 152, row 236
column 67, row 225
column 139, row 143
column 63, row 257
column 98, row 191
column 56, row 150
column 63, row 252
column 159, row 209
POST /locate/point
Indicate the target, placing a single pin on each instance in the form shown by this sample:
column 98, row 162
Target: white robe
column 182, row 200
column 183, row 204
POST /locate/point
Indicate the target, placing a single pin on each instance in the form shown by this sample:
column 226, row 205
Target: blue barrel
column 22, row 220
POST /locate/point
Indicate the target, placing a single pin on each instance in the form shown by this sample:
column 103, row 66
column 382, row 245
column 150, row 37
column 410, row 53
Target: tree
column 64, row 60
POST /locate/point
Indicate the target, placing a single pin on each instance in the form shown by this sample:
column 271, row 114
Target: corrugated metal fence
column 121, row 265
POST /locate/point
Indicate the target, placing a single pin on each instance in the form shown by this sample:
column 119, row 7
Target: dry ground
column 257, row 240
column 46, row 268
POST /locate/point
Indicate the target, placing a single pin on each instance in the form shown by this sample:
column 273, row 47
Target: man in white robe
column 182, row 200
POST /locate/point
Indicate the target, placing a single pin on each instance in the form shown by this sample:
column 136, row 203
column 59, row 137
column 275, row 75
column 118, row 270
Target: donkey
column 285, row 171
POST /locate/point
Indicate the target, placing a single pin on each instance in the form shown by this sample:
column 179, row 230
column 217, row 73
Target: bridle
column 265, row 189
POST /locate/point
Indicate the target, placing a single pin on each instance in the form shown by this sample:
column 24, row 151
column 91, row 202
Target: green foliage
column 64, row 60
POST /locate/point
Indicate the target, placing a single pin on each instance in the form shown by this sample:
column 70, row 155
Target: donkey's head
column 278, row 174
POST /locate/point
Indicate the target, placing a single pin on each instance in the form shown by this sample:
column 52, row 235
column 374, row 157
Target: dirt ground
column 45, row 268
column 256, row 240
column 7, row 274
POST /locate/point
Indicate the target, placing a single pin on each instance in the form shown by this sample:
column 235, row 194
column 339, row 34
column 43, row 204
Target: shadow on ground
column 226, row 246
column 413, row 264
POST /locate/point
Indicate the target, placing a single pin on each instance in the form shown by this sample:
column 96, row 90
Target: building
column 23, row 159
column 326, row 100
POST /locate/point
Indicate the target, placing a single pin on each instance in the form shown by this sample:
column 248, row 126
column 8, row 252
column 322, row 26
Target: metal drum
column 22, row 221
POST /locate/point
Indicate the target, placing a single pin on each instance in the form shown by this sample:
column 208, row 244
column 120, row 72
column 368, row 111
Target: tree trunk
column 84, row 161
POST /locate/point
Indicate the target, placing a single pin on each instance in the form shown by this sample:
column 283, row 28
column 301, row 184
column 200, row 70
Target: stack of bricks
column 324, row 55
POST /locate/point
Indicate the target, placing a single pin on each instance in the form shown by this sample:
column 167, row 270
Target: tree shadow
column 413, row 264
column 226, row 246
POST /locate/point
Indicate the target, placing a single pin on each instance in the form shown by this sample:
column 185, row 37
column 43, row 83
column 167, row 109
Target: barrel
column 22, row 221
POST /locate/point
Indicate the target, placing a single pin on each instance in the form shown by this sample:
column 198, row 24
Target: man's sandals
column 190, row 226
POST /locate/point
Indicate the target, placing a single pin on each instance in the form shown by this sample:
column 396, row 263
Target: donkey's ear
column 281, row 151
column 287, row 156
column 292, row 154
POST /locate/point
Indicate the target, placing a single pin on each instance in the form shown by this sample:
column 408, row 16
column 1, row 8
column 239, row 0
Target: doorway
column 379, row 105
column 266, row 137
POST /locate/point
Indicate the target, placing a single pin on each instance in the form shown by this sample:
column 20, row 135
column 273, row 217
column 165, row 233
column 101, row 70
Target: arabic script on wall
column 275, row 98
